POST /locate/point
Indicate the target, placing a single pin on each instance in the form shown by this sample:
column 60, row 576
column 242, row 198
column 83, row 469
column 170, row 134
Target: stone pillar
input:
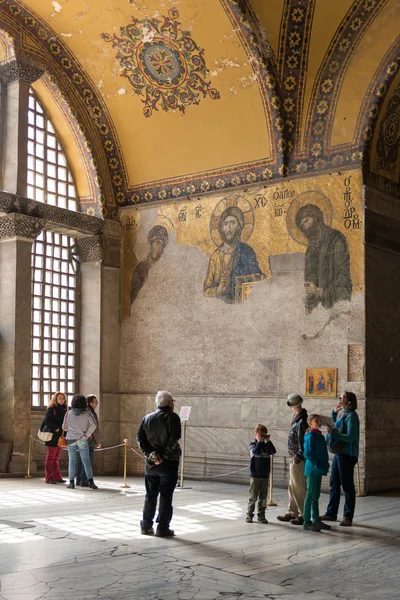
column 17, row 233
column 100, row 334
column 17, row 76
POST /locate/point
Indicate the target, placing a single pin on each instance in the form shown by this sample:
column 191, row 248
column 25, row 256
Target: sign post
column 184, row 416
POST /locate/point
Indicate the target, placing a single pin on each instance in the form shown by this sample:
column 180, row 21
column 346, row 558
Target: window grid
column 54, row 317
column 49, row 179
column 55, row 280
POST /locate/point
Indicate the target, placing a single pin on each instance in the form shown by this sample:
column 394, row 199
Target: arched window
column 55, row 273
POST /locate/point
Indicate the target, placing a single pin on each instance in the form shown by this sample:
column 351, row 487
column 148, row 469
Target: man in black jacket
column 297, row 487
column 158, row 437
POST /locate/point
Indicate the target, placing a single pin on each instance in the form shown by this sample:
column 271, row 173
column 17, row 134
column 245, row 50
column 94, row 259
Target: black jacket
column 297, row 431
column 53, row 420
column 260, row 461
column 159, row 432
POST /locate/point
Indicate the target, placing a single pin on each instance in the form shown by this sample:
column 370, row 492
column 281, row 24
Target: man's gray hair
column 163, row 398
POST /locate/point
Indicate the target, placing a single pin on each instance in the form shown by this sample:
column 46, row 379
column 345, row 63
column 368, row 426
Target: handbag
column 43, row 434
column 62, row 440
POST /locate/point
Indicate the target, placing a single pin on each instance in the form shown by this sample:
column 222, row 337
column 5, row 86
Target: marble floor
column 58, row 544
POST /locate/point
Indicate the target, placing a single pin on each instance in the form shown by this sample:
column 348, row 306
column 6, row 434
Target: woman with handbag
column 347, row 432
column 94, row 442
column 80, row 425
column 52, row 422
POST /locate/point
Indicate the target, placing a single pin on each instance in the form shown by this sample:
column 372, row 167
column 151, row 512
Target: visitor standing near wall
column 317, row 465
column 53, row 421
column 297, row 482
column 346, row 436
column 80, row 425
column 260, row 452
column 94, row 442
column 158, row 436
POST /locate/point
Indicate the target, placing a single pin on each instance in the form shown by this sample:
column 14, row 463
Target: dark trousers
column 258, row 490
column 160, row 481
column 80, row 469
column 342, row 475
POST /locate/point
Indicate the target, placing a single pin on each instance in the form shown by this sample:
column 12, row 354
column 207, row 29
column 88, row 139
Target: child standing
column 260, row 451
column 317, row 465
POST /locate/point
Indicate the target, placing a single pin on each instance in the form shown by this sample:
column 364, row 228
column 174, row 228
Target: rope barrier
column 125, row 485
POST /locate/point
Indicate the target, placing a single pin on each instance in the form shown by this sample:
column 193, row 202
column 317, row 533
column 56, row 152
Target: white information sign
column 185, row 412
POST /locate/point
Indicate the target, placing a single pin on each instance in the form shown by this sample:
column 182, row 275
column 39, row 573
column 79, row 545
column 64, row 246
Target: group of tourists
column 158, row 437
column 309, row 462
column 76, row 429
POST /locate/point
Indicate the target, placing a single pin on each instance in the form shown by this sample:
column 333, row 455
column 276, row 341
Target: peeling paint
column 66, row 34
column 100, row 84
column 122, row 91
column 222, row 64
column 57, row 7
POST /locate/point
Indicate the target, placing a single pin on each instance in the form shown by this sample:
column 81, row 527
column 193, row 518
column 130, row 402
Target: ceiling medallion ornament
column 162, row 63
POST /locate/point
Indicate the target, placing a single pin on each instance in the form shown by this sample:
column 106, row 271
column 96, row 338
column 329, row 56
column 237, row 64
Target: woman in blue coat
column 317, row 465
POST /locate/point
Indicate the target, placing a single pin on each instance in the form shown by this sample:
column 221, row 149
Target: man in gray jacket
column 297, row 487
column 158, row 437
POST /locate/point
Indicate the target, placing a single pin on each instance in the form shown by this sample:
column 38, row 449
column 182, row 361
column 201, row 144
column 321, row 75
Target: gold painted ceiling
column 176, row 98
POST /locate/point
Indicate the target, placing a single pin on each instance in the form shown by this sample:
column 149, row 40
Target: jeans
column 311, row 507
column 81, row 446
column 51, row 466
column 80, row 471
column 160, row 480
column 297, row 488
column 258, row 490
column 342, row 475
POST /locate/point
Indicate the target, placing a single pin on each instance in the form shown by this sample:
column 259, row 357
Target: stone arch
column 69, row 113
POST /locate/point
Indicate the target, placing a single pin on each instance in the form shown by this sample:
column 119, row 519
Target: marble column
column 100, row 334
column 17, row 233
column 17, row 77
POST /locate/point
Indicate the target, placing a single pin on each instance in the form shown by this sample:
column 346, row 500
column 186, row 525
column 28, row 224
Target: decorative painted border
column 330, row 77
column 294, row 44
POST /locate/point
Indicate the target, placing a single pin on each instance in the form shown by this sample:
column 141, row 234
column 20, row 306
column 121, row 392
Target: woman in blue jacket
column 346, row 436
column 317, row 465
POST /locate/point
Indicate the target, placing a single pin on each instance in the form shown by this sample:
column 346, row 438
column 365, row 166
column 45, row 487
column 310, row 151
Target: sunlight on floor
column 114, row 525
column 10, row 535
column 31, row 497
column 222, row 509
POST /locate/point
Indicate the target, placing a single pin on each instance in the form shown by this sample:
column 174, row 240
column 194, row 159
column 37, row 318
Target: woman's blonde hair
column 53, row 401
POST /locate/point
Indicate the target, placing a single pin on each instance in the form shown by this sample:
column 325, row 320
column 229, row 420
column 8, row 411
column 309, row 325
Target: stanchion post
column 28, row 474
column 358, row 480
column 271, row 475
column 125, row 485
column 183, row 450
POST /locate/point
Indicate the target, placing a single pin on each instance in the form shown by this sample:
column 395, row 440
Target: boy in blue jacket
column 317, row 465
column 260, row 451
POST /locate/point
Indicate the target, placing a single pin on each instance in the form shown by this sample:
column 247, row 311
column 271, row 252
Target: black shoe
column 297, row 521
column 62, row 481
column 84, row 484
column 51, row 481
column 71, row 485
column 146, row 530
column 249, row 519
column 78, row 482
column 321, row 525
column 311, row 527
column 165, row 532
column 92, row 485
column 262, row 520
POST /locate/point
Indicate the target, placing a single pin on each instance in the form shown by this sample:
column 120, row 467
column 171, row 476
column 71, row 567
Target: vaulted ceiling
column 186, row 97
